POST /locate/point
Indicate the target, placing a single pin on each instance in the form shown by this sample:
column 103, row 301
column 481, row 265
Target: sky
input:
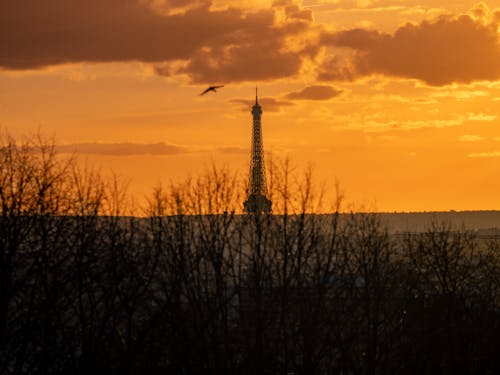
column 398, row 100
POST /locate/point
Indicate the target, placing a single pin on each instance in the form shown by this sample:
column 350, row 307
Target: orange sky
column 398, row 99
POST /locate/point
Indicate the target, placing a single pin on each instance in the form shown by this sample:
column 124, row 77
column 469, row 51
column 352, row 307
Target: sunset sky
column 398, row 99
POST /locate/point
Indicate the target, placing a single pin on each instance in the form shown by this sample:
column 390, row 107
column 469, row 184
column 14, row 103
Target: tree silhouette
column 193, row 286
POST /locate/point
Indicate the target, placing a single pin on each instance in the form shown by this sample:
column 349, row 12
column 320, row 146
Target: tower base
column 257, row 203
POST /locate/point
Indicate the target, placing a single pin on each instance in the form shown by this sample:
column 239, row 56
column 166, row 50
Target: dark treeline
column 193, row 287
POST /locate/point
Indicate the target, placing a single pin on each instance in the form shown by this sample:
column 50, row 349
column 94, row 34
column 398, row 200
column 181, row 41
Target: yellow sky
column 398, row 99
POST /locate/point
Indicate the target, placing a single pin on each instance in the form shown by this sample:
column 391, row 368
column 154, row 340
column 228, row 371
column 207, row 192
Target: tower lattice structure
column 257, row 200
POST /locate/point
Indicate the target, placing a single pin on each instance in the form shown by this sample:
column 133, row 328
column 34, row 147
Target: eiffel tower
column 257, row 200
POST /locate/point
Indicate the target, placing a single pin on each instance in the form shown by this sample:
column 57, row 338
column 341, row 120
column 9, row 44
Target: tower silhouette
column 257, row 200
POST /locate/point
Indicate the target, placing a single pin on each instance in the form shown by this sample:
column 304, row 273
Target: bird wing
column 211, row 88
column 207, row 90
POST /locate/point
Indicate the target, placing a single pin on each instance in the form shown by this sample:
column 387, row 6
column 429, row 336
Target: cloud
column 138, row 149
column 490, row 154
column 450, row 49
column 224, row 41
column 267, row 104
column 207, row 44
column 470, row 138
column 315, row 93
column 233, row 150
column 481, row 117
column 372, row 123
column 461, row 95
column 122, row 149
column 379, row 126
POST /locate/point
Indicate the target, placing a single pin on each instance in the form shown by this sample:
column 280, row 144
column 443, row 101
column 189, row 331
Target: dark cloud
column 450, row 49
column 122, row 149
column 232, row 45
column 315, row 93
column 267, row 104
column 256, row 54
column 134, row 149
column 242, row 63
column 212, row 45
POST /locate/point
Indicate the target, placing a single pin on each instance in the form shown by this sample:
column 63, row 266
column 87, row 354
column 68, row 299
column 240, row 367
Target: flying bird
column 211, row 88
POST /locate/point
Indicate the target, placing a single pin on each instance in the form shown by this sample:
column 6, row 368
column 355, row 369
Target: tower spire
column 257, row 201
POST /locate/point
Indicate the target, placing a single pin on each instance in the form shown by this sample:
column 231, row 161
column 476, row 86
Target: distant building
column 257, row 200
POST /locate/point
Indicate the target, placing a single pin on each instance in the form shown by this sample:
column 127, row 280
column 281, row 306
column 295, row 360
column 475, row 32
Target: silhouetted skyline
column 397, row 99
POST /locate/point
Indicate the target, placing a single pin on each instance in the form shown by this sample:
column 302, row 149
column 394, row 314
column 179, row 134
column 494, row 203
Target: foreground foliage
column 196, row 288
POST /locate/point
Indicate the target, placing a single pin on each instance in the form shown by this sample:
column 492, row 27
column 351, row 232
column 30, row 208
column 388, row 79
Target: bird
column 211, row 88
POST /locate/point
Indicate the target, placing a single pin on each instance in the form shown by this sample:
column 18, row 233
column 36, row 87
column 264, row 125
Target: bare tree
column 195, row 286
